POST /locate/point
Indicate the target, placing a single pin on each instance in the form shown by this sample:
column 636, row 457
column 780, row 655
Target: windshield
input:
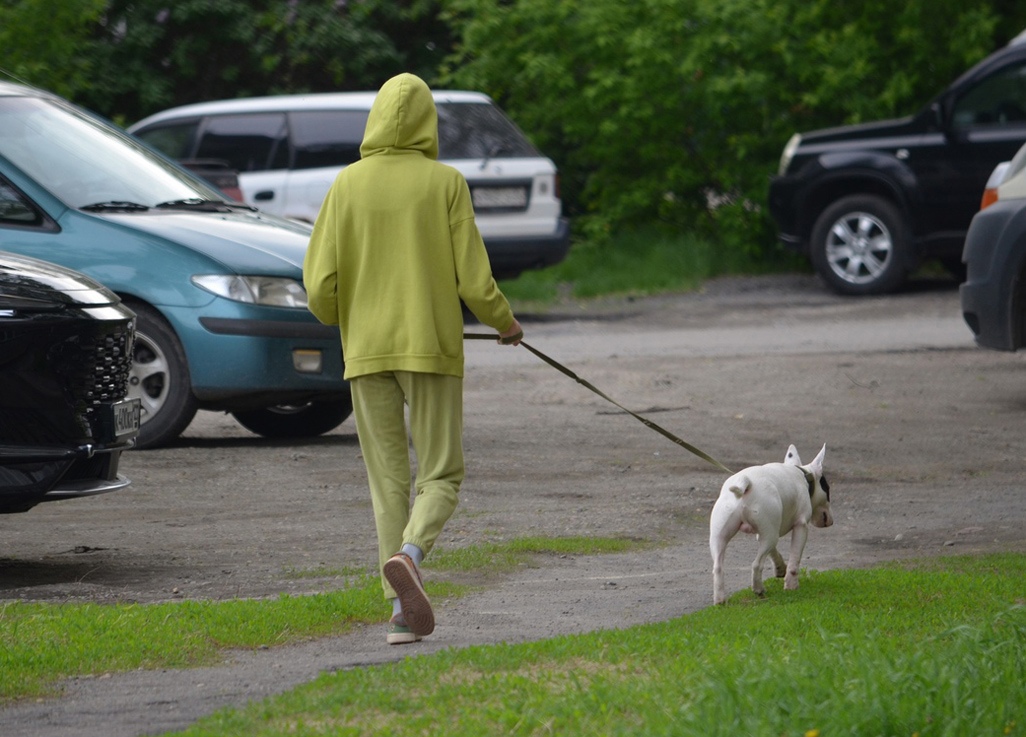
column 83, row 161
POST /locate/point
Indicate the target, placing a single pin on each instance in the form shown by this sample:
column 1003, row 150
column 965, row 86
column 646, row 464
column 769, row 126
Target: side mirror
column 939, row 122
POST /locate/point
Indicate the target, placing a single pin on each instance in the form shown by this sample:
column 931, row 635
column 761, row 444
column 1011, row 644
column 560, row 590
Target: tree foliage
column 42, row 41
column 129, row 58
column 657, row 109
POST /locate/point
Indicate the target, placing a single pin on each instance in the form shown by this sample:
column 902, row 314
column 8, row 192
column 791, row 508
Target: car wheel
column 860, row 245
column 160, row 379
column 305, row 420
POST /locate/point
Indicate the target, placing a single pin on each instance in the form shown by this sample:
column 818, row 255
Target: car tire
column 860, row 245
column 160, row 379
column 296, row 421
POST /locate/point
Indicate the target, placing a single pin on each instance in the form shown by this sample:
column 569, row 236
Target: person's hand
column 512, row 335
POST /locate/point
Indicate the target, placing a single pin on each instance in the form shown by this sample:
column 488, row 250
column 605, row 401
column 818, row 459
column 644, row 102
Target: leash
column 564, row 370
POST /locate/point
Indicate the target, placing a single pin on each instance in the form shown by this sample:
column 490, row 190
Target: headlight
column 789, row 149
column 269, row 291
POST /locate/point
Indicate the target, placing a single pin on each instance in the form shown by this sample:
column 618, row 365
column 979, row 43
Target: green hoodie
column 395, row 247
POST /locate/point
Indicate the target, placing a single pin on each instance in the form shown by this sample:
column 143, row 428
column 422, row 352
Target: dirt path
column 926, row 438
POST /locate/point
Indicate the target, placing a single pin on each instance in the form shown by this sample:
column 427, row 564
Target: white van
column 288, row 149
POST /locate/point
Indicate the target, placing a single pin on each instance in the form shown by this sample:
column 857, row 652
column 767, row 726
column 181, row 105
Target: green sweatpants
column 435, row 404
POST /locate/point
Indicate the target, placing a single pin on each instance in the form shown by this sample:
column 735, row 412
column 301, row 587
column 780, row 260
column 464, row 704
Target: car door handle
column 267, row 194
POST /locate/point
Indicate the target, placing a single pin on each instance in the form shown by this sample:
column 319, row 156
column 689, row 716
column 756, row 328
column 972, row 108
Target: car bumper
column 994, row 252
column 511, row 256
column 243, row 355
column 31, row 475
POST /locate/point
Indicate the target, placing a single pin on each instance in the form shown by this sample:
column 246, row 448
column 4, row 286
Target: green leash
column 564, row 370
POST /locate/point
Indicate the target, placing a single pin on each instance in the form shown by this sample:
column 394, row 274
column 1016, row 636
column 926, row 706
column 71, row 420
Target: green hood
column 403, row 117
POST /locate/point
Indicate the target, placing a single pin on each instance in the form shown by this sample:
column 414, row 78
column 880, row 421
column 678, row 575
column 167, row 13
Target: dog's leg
column 718, row 549
column 767, row 542
column 778, row 562
column 799, row 534
column 723, row 525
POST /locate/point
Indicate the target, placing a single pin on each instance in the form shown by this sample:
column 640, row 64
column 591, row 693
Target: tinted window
column 15, row 209
column 246, row 142
column 174, row 139
column 997, row 100
column 478, row 131
column 326, row 138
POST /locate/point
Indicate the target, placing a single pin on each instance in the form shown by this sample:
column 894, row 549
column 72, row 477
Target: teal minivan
column 217, row 286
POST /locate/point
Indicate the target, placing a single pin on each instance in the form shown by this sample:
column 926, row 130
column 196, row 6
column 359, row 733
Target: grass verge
column 934, row 648
column 505, row 556
column 43, row 643
column 40, row 644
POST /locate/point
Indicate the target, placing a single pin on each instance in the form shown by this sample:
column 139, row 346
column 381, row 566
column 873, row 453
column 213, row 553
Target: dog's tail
column 740, row 486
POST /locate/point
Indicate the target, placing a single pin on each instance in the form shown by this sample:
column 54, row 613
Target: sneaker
column 403, row 576
column 398, row 633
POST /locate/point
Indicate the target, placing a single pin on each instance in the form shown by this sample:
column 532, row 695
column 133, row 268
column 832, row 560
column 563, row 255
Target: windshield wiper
column 239, row 206
column 492, row 152
column 194, row 203
column 114, row 206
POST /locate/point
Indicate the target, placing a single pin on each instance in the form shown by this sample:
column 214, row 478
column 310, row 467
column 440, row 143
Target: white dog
column 770, row 501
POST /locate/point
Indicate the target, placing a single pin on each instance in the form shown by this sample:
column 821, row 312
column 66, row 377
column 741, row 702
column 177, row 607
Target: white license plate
column 126, row 417
column 491, row 197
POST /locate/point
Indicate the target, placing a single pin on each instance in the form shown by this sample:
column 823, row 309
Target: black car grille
column 55, row 374
column 95, row 369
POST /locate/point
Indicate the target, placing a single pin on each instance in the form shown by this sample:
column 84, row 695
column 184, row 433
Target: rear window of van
column 479, row 131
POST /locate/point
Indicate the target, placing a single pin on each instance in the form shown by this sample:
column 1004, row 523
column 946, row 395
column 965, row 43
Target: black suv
column 65, row 359
column 867, row 203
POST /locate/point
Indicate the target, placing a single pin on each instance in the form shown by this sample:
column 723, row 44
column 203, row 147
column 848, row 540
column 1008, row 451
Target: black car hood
column 25, row 280
column 862, row 131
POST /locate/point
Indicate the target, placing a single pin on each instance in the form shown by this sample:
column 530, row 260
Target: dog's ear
column 817, row 463
column 792, row 458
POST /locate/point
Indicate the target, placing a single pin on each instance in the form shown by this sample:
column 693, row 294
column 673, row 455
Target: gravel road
column 925, row 435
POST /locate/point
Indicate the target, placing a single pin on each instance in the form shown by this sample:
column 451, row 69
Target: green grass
column 935, row 648
column 41, row 644
column 641, row 262
column 505, row 556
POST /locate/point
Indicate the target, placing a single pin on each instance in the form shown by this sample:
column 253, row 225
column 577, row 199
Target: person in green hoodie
column 393, row 252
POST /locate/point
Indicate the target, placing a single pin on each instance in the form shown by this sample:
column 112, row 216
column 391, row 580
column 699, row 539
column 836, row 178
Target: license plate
column 495, row 197
column 126, row 417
